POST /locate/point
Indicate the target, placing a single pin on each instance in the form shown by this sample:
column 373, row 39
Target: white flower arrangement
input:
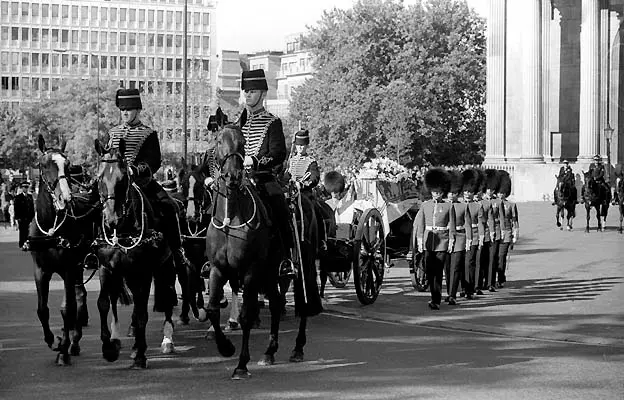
column 384, row 169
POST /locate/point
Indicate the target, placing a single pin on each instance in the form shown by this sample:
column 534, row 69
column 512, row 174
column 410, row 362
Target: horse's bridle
column 104, row 199
column 51, row 187
column 235, row 154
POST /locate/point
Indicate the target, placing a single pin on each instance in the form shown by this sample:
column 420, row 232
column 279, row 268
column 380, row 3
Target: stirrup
column 205, row 270
column 287, row 269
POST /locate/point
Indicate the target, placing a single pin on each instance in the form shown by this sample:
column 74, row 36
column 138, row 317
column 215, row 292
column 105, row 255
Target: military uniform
column 471, row 180
column 509, row 227
column 24, row 207
column 463, row 237
column 597, row 171
column 435, row 231
column 489, row 247
column 142, row 153
column 266, row 145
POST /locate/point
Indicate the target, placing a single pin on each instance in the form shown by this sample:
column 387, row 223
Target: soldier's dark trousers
column 492, row 263
column 483, row 259
column 470, row 269
column 281, row 217
column 22, row 225
column 503, row 250
column 434, row 264
column 169, row 208
column 457, row 271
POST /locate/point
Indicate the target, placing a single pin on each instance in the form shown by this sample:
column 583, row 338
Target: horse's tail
column 125, row 296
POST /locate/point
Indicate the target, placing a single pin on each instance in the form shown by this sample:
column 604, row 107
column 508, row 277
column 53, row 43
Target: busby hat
column 471, row 180
column 170, row 185
column 334, row 182
column 504, row 183
column 25, row 184
column 597, row 157
column 437, row 178
column 254, row 80
column 456, row 181
column 302, row 137
column 492, row 180
column 128, row 99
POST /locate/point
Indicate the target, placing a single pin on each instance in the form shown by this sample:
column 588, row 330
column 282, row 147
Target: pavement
column 562, row 286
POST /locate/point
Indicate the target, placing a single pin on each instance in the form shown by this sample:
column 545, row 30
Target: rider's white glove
column 248, row 163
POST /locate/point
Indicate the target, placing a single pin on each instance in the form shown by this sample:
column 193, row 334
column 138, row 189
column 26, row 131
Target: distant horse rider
column 565, row 175
column 597, row 171
column 144, row 158
column 265, row 151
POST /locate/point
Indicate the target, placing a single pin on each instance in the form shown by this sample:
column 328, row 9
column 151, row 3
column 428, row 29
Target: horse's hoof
column 296, row 356
column 130, row 331
column 183, row 320
column 110, row 350
column 203, row 315
column 232, row 326
column 560, row 228
column 167, row 347
column 226, row 348
column 240, row 374
column 74, row 350
column 559, row 224
column 49, row 339
column 224, row 302
column 268, row 360
column 63, row 360
column 139, row 363
column 210, row 335
column 56, row 345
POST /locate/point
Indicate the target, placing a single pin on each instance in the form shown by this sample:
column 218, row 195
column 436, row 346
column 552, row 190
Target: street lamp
column 99, row 62
column 608, row 132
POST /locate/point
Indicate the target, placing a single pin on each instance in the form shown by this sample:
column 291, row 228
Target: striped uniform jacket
column 302, row 164
column 264, row 140
column 142, row 145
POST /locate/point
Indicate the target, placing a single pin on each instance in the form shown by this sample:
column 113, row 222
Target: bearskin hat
column 471, row 180
column 492, row 180
column 504, row 182
column 456, row 181
column 334, row 182
column 437, row 178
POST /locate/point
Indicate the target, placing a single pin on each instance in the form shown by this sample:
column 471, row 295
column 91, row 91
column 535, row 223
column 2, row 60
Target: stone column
column 589, row 118
column 547, row 13
column 605, row 47
column 532, row 125
column 495, row 82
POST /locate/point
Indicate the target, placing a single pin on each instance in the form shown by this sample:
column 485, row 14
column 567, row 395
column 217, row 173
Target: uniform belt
column 460, row 228
column 475, row 225
column 437, row 228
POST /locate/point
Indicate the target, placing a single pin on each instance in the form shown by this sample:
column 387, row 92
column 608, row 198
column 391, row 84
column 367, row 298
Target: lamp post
column 97, row 103
column 184, row 89
column 608, row 132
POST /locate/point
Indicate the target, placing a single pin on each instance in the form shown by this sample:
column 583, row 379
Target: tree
column 396, row 81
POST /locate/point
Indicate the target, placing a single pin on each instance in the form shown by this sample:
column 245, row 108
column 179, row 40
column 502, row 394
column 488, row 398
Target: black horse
column 595, row 195
column 242, row 250
column 565, row 200
column 59, row 242
column 131, row 252
column 619, row 174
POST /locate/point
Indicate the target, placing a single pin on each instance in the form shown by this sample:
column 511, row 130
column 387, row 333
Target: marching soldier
column 265, row 151
column 463, row 237
column 488, row 249
column 509, row 226
column 435, row 231
column 471, row 180
column 494, row 221
column 143, row 155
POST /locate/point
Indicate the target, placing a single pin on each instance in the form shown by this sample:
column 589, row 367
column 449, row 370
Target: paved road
column 556, row 332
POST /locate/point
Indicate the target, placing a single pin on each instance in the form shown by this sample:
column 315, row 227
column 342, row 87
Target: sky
column 255, row 25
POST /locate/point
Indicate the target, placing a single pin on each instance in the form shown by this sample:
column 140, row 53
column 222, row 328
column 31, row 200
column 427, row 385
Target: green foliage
column 392, row 79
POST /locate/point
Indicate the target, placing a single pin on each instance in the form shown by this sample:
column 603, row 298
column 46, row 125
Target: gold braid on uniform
column 299, row 165
column 255, row 129
column 134, row 136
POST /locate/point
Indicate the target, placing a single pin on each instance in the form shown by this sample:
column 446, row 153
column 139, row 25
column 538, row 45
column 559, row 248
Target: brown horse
column 241, row 248
column 59, row 241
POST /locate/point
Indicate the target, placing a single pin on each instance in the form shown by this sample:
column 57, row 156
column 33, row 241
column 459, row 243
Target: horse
column 59, row 242
column 619, row 174
column 565, row 200
column 241, row 250
column 595, row 195
column 131, row 251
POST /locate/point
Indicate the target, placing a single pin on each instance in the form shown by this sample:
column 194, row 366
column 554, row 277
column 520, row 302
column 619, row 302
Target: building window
column 25, row 34
column 206, row 43
column 35, row 10
column 25, row 9
column 15, row 34
column 65, row 12
column 45, row 35
column 132, row 39
column 132, row 63
column 123, row 38
column 15, row 83
column 206, row 65
column 150, row 63
column 84, row 37
column 122, row 15
column 132, row 15
column 122, row 62
column 169, row 64
column 179, row 19
column 178, row 41
column 113, row 62
column 35, row 84
column 103, row 62
column 94, row 39
column 45, row 84
column 196, row 42
column 160, row 16
column 103, row 37
column 74, row 39
column 141, row 15
column 4, row 8
column 196, row 18
column 159, row 40
column 55, row 10
column 94, row 13
column 34, row 59
column 15, row 9
column 178, row 62
column 45, row 10
column 55, row 60
column 84, row 13
column 55, row 37
column 25, row 59
column 150, row 39
column 150, row 18
column 132, row 85
column 103, row 14
column 206, row 19
column 113, row 38
column 74, row 12
column 141, row 64
column 113, row 15
column 65, row 61
column 45, row 60
column 169, row 42
column 35, row 34
column 5, row 83
column 75, row 62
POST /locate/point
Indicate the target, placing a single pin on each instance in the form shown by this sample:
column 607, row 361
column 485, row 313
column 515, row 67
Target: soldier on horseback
column 565, row 175
column 265, row 151
column 143, row 156
column 597, row 171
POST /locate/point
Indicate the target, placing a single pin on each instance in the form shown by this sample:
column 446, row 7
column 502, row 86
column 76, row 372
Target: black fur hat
column 492, row 180
column 334, row 182
column 504, row 182
column 128, row 99
column 456, row 181
column 437, row 178
column 471, row 180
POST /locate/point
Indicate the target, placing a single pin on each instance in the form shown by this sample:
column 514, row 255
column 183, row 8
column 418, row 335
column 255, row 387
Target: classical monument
column 553, row 89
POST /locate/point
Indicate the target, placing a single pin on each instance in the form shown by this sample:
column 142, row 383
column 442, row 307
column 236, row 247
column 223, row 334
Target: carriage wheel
column 417, row 271
column 369, row 248
column 339, row 279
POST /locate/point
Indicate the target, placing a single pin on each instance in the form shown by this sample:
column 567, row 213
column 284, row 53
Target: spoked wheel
column 339, row 279
column 369, row 247
column 417, row 271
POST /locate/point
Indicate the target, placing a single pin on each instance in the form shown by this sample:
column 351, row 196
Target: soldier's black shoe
column 287, row 269
column 434, row 306
column 452, row 301
column 492, row 289
column 469, row 296
column 479, row 292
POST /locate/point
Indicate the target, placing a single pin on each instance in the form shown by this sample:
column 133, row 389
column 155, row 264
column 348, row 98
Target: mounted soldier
column 144, row 158
column 265, row 151
column 597, row 171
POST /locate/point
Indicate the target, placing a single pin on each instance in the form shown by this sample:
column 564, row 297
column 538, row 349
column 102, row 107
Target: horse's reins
column 50, row 188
